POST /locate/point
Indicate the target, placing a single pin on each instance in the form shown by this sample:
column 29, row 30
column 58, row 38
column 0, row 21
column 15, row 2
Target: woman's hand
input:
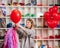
column 15, row 27
column 20, row 26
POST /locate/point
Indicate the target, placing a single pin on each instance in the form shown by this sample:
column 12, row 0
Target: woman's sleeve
column 26, row 31
column 30, row 32
column 20, row 31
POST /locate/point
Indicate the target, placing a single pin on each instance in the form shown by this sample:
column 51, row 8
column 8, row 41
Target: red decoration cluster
column 52, row 17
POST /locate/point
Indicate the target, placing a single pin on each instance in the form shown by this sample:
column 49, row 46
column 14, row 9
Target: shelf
column 1, row 40
column 27, row 6
column 46, row 39
column 22, row 17
column 35, row 28
column 2, row 6
column 38, row 39
column 46, row 28
column 43, row 35
column 3, row 17
column 4, row 28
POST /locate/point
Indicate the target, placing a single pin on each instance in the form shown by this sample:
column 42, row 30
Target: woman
column 28, row 34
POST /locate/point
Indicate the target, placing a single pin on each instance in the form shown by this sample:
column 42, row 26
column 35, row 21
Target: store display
column 34, row 2
column 44, row 2
column 1, row 37
column 0, row 11
column 0, row 20
column 43, row 15
column 31, row 2
column 39, row 5
column 51, row 2
column 9, row 2
column 21, row 2
column 36, row 46
column 27, row 15
column 33, row 15
column 15, row 3
column 4, row 11
column 57, row 4
column 57, row 47
column 43, row 46
column 39, row 2
column 57, row 36
column 3, row 2
column 2, row 23
column 2, row 34
column 39, row 43
column 37, row 37
column 28, row 4
column 51, row 37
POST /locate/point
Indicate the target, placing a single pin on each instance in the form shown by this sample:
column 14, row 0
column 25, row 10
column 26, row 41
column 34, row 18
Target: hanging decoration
column 11, row 39
column 52, row 17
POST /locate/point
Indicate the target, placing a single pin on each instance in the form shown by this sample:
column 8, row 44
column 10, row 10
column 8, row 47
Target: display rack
column 45, row 34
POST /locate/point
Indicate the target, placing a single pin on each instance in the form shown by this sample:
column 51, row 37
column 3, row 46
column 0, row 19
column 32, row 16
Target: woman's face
column 28, row 24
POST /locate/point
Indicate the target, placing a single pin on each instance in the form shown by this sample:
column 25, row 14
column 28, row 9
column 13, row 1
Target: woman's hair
column 32, row 23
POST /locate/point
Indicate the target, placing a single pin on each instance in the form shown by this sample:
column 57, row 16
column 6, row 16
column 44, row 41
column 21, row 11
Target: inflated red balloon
column 55, row 9
column 47, row 16
column 56, row 16
column 15, row 16
column 59, row 15
column 52, row 23
column 51, row 10
column 52, row 17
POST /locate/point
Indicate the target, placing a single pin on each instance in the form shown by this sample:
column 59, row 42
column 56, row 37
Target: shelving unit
column 41, row 28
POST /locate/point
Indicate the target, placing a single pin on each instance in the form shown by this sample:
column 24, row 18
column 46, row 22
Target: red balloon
column 46, row 16
column 15, row 16
column 52, row 23
column 51, row 10
column 59, row 15
column 55, row 9
column 56, row 16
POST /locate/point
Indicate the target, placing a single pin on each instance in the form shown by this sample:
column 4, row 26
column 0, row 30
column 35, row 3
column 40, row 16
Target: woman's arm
column 27, row 31
column 21, row 32
column 23, row 28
